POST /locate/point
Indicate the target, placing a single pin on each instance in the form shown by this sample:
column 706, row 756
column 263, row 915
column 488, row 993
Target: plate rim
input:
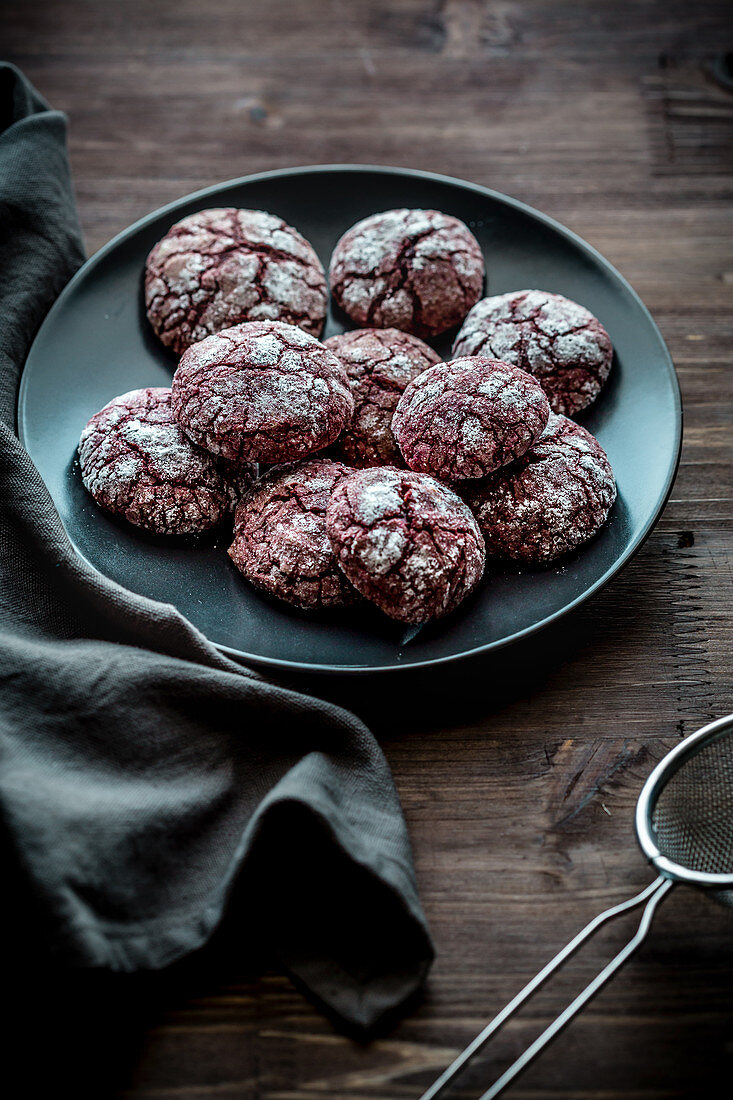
column 239, row 656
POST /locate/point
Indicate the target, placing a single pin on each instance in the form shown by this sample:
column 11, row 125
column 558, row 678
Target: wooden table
column 518, row 776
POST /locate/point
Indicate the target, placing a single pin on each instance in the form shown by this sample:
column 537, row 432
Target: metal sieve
column 684, row 824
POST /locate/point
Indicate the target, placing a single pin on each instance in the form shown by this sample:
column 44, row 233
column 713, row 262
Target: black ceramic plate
column 96, row 343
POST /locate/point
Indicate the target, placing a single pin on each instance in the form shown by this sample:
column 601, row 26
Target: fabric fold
column 152, row 791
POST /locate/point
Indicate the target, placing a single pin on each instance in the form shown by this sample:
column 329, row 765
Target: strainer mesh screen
column 693, row 815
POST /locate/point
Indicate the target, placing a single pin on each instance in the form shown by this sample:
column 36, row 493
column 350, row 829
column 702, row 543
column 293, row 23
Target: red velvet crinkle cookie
column 551, row 500
column 379, row 364
column 261, row 392
column 217, row 268
column 558, row 341
column 465, row 418
column 415, row 270
column 406, row 542
column 280, row 541
column 137, row 462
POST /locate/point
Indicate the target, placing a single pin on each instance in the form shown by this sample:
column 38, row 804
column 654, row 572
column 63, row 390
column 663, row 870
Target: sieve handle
column 652, row 895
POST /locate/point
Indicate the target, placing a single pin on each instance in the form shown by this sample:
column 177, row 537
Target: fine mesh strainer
column 684, row 824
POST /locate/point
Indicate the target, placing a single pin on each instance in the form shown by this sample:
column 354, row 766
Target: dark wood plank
column 518, row 777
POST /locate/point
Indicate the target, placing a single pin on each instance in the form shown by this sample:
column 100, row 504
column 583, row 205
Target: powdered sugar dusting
column 416, row 270
column 465, row 418
column 265, row 350
column 261, row 391
column 551, row 500
column 379, row 499
column 136, row 461
column 280, row 542
column 383, row 547
column 219, row 267
column 379, row 364
column 557, row 340
column 405, row 541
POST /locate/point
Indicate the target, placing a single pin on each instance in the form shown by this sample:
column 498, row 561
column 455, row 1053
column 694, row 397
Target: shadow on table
column 90, row 1030
column 457, row 693
column 86, row 1032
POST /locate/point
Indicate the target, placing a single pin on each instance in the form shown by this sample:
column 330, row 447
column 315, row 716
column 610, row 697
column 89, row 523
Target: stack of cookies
column 363, row 467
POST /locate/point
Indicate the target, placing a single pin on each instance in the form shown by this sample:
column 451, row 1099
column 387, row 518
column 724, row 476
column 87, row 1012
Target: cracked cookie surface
column 550, row 501
column 558, row 341
column 280, row 542
column 379, row 364
column 465, row 418
column 406, row 542
column 262, row 391
column 138, row 463
column 217, row 268
column 416, row 270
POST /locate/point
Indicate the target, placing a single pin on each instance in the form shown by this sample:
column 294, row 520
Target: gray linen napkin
column 149, row 787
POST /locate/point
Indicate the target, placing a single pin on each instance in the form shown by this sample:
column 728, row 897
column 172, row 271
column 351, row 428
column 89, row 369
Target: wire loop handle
column 652, row 895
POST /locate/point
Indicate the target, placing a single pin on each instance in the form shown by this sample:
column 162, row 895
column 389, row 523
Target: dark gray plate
column 96, row 343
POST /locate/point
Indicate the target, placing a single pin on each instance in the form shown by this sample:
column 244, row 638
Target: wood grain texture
column 518, row 776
